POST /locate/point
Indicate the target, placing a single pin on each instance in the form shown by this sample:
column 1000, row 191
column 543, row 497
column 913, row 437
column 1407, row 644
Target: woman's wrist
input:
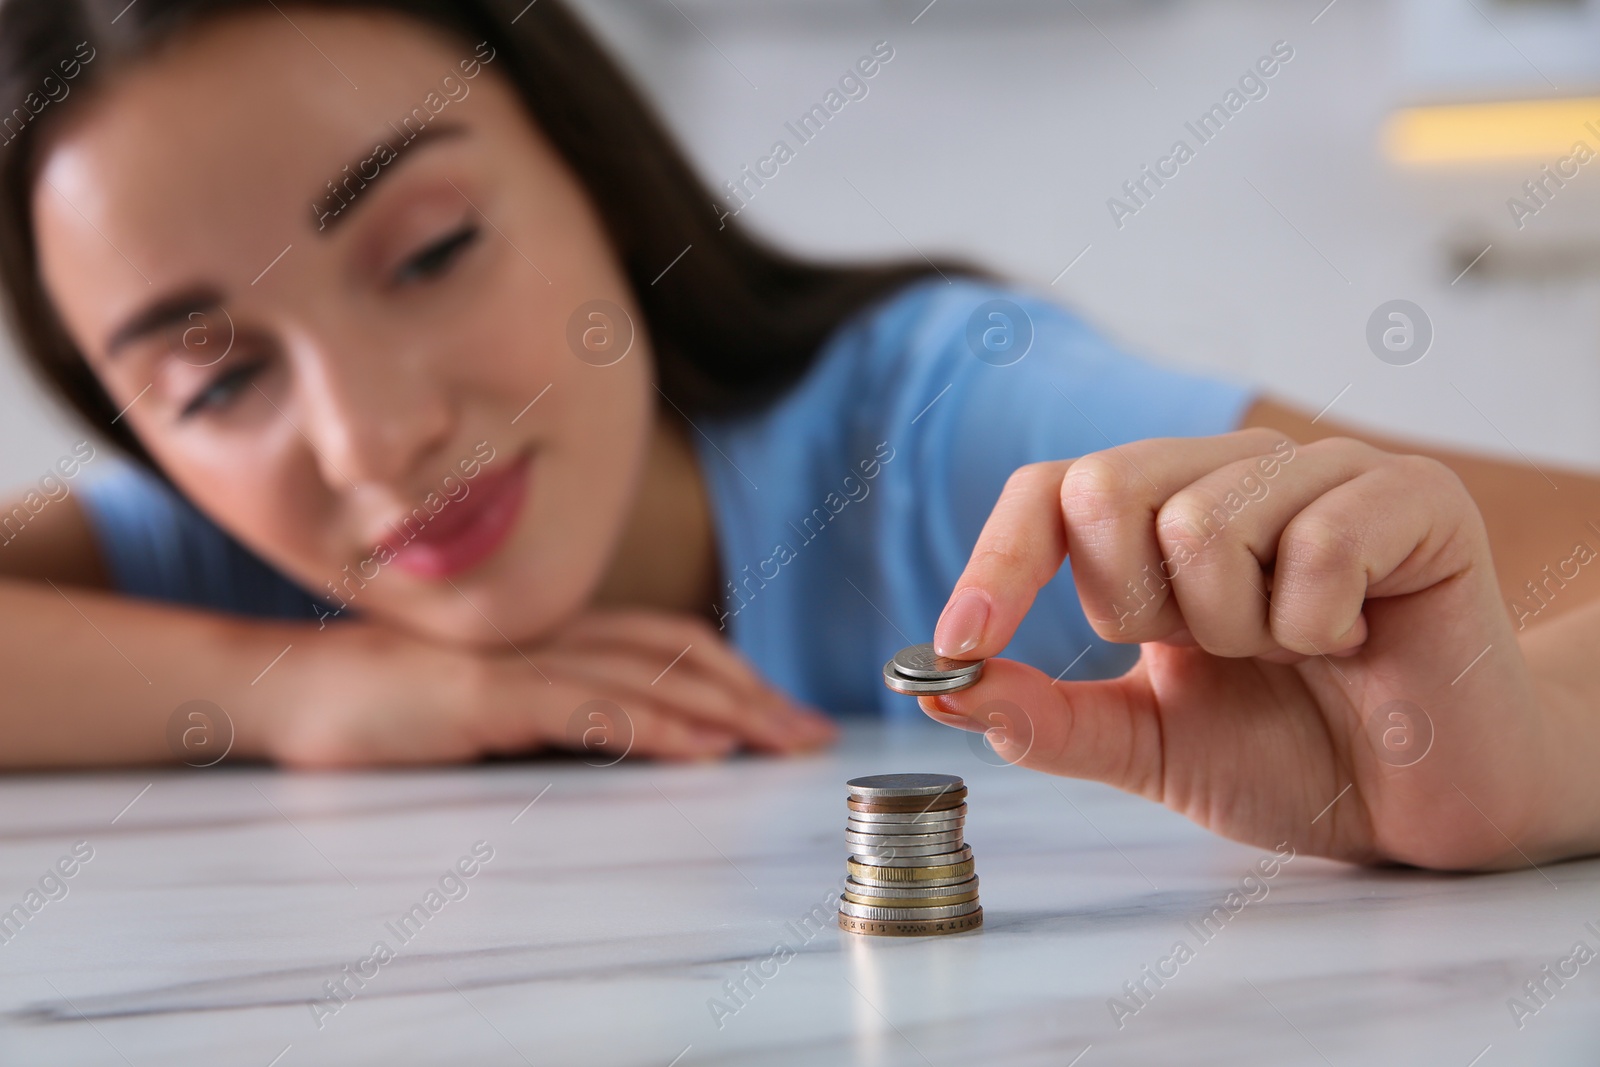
column 355, row 684
column 1560, row 655
column 273, row 669
column 1567, row 820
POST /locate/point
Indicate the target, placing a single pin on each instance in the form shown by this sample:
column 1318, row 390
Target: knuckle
column 1133, row 612
column 1342, row 446
column 1414, row 470
column 1031, row 474
column 1316, row 549
column 1099, row 490
column 1003, row 553
column 1030, row 479
column 1099, row 474
column 1189, row 521
column 1265, row 439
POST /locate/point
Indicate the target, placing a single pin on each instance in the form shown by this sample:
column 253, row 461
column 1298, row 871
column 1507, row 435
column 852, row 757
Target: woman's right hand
column 1316, row 626
column 675, row 690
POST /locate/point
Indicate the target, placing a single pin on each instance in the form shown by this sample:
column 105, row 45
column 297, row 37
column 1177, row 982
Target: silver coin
column 921, row 890
column 911, row 818
column 914, row 835
column 905, row 683
column 873, row 834
column 904, row 785
column 949, row 838
column 909, row 859
column 868, row 911
column 865, row 897
column 900, row 829
column 881, row 853
column 921, row 661
column 917, row 835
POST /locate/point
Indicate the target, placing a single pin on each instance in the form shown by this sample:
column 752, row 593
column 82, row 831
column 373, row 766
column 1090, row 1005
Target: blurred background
column 1386, row 161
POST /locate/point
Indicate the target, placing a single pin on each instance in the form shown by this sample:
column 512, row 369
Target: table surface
column 624, row 907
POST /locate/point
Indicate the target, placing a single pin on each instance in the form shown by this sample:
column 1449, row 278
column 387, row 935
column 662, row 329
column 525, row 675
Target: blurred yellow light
column 1476, row 133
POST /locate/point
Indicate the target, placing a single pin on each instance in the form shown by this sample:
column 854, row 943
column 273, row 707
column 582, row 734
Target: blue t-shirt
column 846, row 510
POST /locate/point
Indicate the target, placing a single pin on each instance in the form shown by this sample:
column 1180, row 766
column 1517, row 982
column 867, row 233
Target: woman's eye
column 437, row 257
column 222, row 390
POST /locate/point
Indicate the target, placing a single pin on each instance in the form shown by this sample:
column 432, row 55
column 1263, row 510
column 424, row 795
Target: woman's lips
column 467, row 531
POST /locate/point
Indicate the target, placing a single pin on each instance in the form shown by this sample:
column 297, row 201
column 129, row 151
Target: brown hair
column 733, row 324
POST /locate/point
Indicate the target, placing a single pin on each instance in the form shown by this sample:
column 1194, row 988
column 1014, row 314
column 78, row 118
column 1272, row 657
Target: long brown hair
column 732, row 325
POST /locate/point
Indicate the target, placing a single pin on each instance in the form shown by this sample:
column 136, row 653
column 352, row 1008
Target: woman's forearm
column 93, row 678
column 1564, row 655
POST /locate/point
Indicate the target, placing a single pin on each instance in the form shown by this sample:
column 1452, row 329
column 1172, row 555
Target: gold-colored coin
column 911, row 927
column 872, row 882
column 870, row 874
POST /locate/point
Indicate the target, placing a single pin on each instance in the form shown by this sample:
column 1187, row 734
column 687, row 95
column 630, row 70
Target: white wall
column 34, row 431
column 1001, row 127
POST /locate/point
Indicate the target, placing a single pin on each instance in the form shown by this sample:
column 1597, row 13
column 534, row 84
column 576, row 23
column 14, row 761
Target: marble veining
column 674, row 916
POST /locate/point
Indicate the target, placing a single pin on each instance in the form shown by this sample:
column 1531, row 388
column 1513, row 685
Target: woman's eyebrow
column 328, row 209
column 176, row 308
column 162, row 314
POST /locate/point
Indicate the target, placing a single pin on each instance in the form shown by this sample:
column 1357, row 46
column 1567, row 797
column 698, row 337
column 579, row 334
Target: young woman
column 455, row 405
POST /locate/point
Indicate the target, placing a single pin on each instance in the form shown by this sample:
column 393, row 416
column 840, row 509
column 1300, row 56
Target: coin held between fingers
column 918, row 671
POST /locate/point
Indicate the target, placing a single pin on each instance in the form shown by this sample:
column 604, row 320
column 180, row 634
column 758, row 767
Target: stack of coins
column 920, row 671
column 910, row 871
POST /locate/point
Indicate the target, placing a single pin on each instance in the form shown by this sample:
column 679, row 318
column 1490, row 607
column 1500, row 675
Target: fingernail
column 961, row 626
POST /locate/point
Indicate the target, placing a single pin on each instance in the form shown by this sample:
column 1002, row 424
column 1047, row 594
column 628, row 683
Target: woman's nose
column 372, row 414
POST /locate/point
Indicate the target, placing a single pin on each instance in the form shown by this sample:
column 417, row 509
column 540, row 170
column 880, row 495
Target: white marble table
column 615, row 908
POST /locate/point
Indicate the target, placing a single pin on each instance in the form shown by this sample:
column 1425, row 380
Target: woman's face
column 346, row 292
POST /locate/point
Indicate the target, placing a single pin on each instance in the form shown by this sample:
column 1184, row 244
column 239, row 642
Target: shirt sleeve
column 990, row 379
column 157, row 545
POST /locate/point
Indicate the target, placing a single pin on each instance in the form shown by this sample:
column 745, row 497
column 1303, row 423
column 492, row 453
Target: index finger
column 1025, row 539
column 1021, row 547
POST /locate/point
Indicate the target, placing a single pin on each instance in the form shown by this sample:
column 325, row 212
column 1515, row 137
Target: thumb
column 1107, row 731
